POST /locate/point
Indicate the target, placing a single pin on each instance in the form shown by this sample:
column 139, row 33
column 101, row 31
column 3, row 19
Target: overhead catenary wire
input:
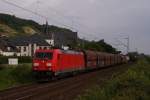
column 86, row 31
column 35, row 13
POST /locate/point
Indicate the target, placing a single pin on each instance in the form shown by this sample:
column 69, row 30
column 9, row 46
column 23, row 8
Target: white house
column 6, row 49
column 28, row 45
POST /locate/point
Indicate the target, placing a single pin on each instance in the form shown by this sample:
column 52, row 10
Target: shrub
column 22, row 73
column 4, row 59
column 134, row 84
column 15, row 76
column 25, row 59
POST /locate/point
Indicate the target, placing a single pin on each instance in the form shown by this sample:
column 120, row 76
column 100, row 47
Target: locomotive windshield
column 44, row 55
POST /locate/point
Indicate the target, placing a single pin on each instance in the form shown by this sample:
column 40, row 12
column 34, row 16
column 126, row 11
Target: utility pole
column 53, row 39
column 128, row 44
column 46, row 27
column 83, row 42
column 136, row 50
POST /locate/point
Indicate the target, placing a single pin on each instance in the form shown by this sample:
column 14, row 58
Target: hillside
column 11, row 25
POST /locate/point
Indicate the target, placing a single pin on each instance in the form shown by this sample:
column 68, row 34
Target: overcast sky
column 112, row 20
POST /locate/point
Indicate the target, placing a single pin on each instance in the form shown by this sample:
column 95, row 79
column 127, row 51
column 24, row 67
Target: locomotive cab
column 43, row 62
column 55, row 63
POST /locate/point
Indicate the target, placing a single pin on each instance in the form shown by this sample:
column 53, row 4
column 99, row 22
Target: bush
column 25, row 59
column 22, row 74
column 134, row 84
column 4, row 59
column 15, row 76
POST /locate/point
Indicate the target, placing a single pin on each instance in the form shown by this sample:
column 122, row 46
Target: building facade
column 7, row 49
column 61, row 39
column 26, row 46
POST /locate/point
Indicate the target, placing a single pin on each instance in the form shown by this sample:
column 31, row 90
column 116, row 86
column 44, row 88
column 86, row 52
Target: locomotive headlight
column 49, row 64
column 36, row 64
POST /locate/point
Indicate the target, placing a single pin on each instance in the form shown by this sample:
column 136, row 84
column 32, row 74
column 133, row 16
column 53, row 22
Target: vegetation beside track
column 17, row 75
column 134, row 84
column 4, row 59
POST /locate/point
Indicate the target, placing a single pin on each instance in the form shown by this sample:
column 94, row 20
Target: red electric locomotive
column 49, row 63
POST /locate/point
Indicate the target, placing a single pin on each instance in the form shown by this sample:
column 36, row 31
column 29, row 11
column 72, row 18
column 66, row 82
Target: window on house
column 19, row 48
column 45, row 48
column 40, row 48
column 24, row 49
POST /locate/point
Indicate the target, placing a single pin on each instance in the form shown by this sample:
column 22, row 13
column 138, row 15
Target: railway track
column 65, row 89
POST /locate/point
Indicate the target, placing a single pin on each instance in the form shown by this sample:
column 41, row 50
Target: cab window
column 44, row 55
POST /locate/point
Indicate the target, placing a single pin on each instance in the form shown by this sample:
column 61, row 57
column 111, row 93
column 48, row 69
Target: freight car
column 55, row 63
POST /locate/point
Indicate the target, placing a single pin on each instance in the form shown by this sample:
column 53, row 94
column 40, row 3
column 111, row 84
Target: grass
column 134, row 84
column 10, row 77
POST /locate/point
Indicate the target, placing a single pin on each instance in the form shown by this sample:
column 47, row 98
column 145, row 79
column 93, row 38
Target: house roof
column 4, row 44
column 61, row 38
column 25, row 41
column 39, row 39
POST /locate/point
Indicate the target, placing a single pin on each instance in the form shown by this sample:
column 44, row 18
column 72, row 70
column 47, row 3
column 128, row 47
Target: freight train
column 57, row 62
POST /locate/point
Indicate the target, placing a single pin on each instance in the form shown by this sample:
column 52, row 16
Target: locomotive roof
column 70, row 52
column 62, row 51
